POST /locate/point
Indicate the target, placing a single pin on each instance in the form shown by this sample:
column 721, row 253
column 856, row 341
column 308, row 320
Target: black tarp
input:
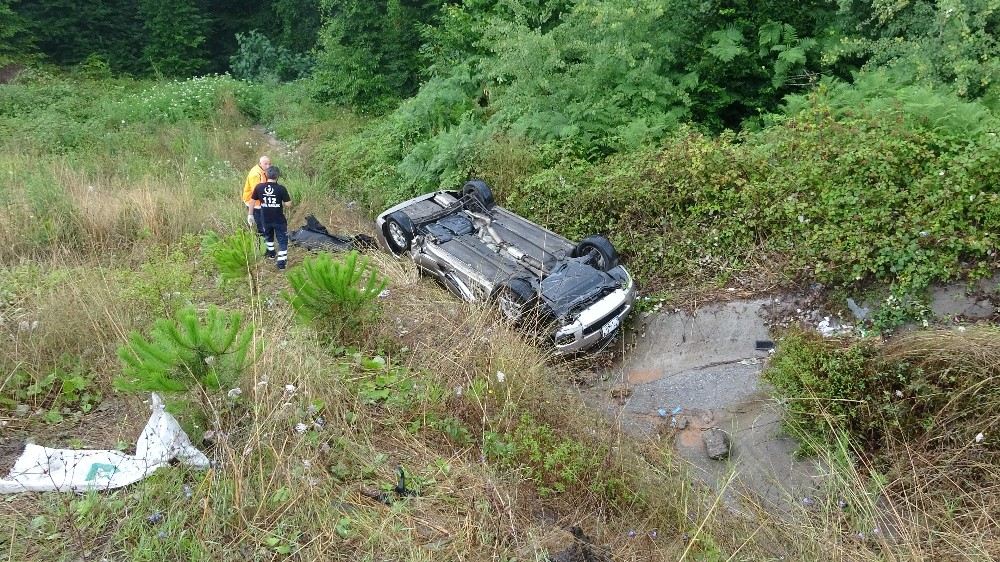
column 314, row 236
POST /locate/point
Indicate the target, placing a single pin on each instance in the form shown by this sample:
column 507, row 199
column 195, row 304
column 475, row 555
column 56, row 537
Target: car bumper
column 599, row 322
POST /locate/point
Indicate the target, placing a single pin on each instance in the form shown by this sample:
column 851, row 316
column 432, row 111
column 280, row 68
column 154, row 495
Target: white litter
column 41, row 469
column 829, row 329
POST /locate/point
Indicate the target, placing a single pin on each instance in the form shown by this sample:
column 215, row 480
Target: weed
column 67, row 388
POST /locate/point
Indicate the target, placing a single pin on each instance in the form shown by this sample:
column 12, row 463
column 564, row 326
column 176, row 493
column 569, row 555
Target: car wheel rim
column 510, row 308
column 599, row 262
column 396, row 233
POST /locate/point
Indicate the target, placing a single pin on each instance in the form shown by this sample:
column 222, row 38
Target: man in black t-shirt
column 272, row 197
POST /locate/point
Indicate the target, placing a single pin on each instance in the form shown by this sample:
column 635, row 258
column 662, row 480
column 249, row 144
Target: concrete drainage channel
column 695, row 379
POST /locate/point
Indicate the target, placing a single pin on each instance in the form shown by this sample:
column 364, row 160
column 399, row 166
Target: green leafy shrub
column 257, row 59
column 928, row 389
column 338, row 296
column 197, row 98
column 554, row 462
column 187, row 352
column 69, row 387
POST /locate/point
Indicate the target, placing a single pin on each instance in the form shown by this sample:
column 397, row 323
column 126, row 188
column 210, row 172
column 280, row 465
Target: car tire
column 516, row 300
column 481, row 191
column 607, row 256
column 398, row 231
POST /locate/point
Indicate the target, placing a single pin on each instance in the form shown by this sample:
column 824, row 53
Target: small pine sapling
column 339, row 297
column 236, row 255
column 187, row 353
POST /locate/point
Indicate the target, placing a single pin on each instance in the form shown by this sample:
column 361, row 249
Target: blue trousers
column 258, row 220
column 277, row 231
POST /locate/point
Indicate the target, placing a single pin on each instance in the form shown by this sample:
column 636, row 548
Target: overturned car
column 578, row 294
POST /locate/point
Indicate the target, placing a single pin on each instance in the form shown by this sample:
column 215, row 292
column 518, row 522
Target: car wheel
column 606, row 256
column 481, row 191
column 398, row 231
column 516, row 300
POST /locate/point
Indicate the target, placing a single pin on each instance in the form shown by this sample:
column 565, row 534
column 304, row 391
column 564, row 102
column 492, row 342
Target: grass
column 502, row 465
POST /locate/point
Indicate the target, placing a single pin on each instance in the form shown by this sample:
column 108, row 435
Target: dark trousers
column 279, row 231
column 258, row 220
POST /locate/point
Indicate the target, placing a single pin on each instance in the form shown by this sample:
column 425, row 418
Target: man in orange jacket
column 256, row 176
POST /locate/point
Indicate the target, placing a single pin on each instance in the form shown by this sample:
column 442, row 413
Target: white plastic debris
column 980, row 437
column 41, row 469
column 828, row 328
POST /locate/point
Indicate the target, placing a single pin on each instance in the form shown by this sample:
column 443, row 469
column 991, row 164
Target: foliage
column 66, row 388
column 555, row 463
column 890, row 190
column 171, row 102
column 176, row 31
column 16, row 39
column 236, row 255
column 186, row 353
column 259, row 60
column 368, row 51
column 68, row 31
column 926, row 389
column 299, row 23
column 952, row 44
column 824, row 386
column 338, row 296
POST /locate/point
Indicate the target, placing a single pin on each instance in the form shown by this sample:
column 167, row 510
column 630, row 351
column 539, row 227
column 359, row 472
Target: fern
column 339, row 297
column 728, row 44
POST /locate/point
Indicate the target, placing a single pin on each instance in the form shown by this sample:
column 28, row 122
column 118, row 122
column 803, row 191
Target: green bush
column 197, row 98
column 186, row 353
column 257, row 60
column 338, row 296
column 557, row 463
column 928, row 389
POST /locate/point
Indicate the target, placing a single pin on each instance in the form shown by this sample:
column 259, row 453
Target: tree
column 176, row 32
column 295, row 24
column 369, row 51
column 932, row 43
column 16, row 39
column 69, row 31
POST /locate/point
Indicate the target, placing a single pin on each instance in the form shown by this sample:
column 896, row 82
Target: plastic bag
column 41, row 469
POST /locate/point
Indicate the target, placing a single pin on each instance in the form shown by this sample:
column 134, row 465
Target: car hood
column 572, row 283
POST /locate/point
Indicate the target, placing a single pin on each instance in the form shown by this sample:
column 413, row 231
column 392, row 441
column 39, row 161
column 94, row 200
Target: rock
column 716, row 443
column 621, row 393
column 22, row 411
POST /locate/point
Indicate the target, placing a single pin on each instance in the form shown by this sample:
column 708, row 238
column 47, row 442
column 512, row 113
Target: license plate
column 610, row 327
